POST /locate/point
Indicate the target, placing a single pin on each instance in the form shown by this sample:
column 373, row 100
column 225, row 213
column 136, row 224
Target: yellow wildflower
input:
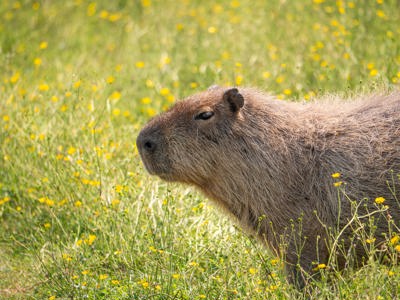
column 212, row 29
column 115, row 17
column 104, row 14
column 49, row 202
column 43, row 45
column 95, row 88
column 164, row 91
column 279, row 79
column 15, row 77
column 90, row 240
column 139, row 64
column 165, row 60
column 373, row 72
column 103, row 276
column 43, row 87
column 394, row 240
column 379, row 200
column 37, row 61
column 91, row 9
column 77, row 84
column 320, row 267
column 71, row 150
column 115, row 202
column 171, row 98
column 4, row 200
column 238, row 80
column 381, row 14
column 143, row 283
column 193, row 264
column 66, row 257
column 252, row 271
column 179, row 26
column 266, row 74
column 146, row 3
column 149, row 83
column 145, row 100
column 116, row 112
column 110, row 79
column 115, row 95
column 287, row 92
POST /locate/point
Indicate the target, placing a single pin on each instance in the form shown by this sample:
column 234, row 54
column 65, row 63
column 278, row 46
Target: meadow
column 79, row 216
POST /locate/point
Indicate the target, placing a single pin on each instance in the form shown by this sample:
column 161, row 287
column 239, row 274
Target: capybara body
column 269, row 163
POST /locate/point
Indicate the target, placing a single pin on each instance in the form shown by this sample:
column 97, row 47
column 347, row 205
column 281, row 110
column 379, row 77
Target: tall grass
column 80, row 218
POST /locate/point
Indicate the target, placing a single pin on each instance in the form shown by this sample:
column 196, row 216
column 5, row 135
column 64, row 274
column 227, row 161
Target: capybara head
column 182, row 144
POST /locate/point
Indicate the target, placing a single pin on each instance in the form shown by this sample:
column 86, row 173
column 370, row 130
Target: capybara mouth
column 156, row 169
column 150, row 166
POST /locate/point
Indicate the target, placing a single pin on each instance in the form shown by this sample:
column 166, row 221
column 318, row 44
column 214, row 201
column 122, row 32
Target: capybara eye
column 204, row 115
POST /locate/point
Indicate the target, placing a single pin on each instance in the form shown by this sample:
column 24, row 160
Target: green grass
column 79, row 216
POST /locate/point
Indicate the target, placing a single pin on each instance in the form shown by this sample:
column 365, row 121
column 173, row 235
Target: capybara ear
column 234, row 98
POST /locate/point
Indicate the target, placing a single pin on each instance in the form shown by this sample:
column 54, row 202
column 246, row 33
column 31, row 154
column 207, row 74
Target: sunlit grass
column 79, row 215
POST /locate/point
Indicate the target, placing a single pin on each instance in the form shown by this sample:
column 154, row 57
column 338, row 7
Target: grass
column 79, row 216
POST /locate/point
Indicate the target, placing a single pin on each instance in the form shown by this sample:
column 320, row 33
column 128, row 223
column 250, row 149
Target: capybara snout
column 148, row 142
column 153, row 150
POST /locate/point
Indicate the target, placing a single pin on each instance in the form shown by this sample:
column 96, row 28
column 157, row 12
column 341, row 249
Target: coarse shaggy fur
column 269, row 164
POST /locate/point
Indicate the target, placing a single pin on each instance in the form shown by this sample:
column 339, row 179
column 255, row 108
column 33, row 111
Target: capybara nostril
column 149, row 146
column 147, row 142
column 146, row 145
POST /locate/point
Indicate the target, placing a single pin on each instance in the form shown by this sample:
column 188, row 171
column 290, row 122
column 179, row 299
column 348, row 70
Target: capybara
column 269, row 163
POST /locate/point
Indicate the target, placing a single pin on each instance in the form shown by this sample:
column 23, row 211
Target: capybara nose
column 146, row 144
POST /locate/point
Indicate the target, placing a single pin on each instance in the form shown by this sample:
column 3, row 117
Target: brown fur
column 269, row 163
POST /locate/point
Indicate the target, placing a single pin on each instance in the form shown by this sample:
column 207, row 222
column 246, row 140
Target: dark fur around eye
column 204, row 115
